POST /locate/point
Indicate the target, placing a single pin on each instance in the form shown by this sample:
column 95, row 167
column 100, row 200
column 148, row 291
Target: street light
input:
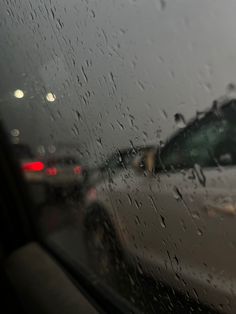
column 18, row 93
column 15, row 132
column 50, row 97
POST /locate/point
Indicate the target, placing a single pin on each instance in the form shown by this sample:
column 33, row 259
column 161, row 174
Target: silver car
column 176, row 218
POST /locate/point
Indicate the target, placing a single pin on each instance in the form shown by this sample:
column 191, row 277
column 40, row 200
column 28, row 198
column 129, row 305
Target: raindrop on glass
column 199, row 232
column 162, row 221
column 180, row 120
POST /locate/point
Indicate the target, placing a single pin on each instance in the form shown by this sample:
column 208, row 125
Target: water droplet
column 153, row 203
column 177, row 276
column 164, row 114
column 163, row 223
column 60, row 24
column 120, row 125
column 145, row 135
column 41, row 150
column 195, row 294
column 99, row 141
column 200, row 114
column 84, row 75
column 130, row 199
column 180, row 120
column 139, row 267
column 75, row 130
column 199, row 232
column 131, row 281
column 137, row 204
column 177, row 194
column 112, row 80
column 140, row 85
column 176, row 259
column 183, row 225
column 131, row 120
column 53, row 13
column 137, row 220
column 196, row 215
column 92, row 13
column 78, row 115
column 51, row 149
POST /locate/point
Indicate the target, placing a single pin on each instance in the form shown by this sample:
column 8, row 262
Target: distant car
column 64, row 171
column 56, row 174
column 177, row 219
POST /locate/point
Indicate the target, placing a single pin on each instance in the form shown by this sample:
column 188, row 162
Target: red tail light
column 77, row 170
column 52, row 171
column 34, row 166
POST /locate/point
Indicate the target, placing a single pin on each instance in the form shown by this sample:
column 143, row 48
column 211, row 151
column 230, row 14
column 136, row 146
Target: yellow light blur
column 18, row 93
column 50, row 97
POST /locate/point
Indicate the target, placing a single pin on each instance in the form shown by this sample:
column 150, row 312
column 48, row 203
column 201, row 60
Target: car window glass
column 122, row 116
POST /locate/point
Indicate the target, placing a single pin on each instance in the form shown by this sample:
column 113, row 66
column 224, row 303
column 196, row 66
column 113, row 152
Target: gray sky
column 120, row 69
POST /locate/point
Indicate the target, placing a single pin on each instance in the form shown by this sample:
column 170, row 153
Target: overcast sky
column 120, row 69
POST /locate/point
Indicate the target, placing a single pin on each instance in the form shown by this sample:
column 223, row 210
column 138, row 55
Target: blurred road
column 63, row 223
